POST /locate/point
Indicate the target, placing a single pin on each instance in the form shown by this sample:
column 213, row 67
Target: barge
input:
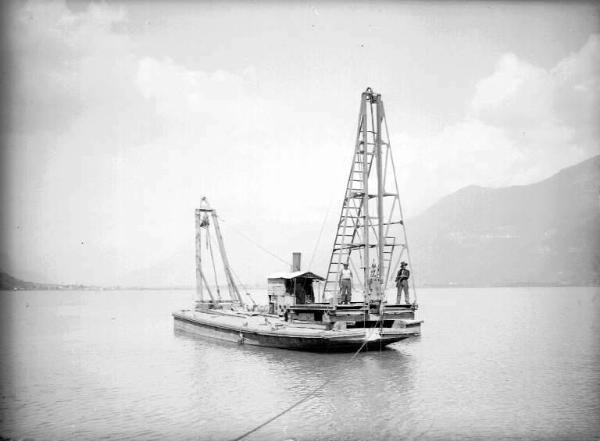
column 370, row 245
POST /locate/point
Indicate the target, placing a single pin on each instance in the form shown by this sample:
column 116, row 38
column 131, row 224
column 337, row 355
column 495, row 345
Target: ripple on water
column 490, row 365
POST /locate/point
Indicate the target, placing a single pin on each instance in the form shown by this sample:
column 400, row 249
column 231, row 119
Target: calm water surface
column 502, row 363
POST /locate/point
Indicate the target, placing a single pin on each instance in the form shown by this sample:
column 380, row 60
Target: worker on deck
column 346, row 285
column 402, row 283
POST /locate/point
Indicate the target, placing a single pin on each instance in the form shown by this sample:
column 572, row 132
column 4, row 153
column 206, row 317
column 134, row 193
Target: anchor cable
column 306, row 397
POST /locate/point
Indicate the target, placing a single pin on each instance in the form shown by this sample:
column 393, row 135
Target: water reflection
column 350, row 395
column 491, row 364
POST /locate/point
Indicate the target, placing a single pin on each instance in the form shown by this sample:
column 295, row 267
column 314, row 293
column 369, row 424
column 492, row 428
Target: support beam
column 365, row 177
column 199, row 275
column 380, row 188
column 233, row 291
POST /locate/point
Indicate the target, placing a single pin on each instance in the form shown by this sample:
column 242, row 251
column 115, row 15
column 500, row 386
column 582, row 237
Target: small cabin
column 288, row 289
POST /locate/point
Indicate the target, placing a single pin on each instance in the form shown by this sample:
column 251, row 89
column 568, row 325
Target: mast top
column 372, row 96
column 205, row 206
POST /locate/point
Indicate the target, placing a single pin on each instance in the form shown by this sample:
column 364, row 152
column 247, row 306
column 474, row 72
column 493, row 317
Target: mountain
column 547, row 233
column 10, row 283
column 7, row 282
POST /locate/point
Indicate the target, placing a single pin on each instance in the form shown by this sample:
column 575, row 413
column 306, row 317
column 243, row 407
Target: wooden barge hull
column 259, row 331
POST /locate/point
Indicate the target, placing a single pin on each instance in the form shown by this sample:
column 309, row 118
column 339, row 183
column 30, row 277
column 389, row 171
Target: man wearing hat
column 346, row 285
column 402, row 283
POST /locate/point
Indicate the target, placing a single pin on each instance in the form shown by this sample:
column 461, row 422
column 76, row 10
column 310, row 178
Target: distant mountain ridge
column 8, row 282
column 546, row 233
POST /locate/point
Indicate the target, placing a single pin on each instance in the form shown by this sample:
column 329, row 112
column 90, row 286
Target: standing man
column 346, row 285
column 402, row 283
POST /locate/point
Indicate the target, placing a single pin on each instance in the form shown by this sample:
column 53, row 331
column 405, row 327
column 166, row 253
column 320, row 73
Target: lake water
column 501, row 363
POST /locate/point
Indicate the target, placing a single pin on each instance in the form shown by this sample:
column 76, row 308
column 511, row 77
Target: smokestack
column 296, row 258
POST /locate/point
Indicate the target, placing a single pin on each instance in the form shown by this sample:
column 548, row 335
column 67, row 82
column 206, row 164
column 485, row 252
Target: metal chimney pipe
column 296, row 259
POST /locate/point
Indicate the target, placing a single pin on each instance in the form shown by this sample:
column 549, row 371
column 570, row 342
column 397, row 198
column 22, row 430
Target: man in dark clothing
column 402, row 283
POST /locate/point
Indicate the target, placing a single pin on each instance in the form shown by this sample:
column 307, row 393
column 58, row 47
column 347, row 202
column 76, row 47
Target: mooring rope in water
column 307, row 396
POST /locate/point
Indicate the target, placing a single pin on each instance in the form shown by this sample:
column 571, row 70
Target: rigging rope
column 401, row 216
column 255, row 243
column 243, row 287
column 320, row 233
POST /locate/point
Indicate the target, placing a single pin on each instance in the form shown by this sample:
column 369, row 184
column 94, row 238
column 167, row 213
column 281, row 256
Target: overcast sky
column 118, row 117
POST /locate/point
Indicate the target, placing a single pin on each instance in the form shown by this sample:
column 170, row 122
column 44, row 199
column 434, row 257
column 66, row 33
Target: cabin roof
column 293, row 275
